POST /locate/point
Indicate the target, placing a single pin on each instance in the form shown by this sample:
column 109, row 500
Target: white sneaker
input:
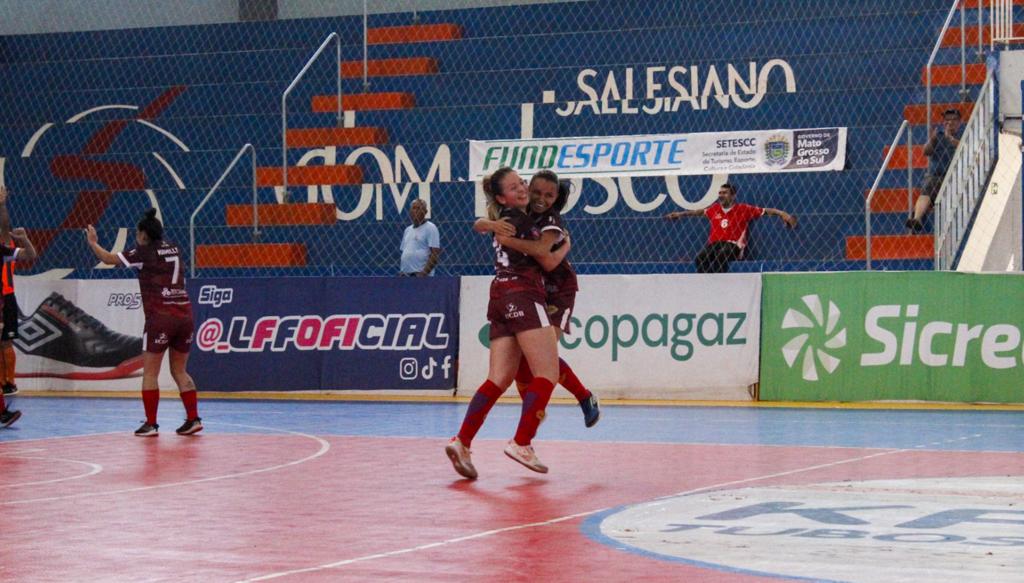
column 525, row 455
column 459, row 454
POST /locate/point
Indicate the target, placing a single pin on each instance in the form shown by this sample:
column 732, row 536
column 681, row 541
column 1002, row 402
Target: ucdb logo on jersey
column 872, row 336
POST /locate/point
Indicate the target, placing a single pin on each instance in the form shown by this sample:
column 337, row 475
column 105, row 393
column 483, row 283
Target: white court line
column 95, row 469
column 15, row 442
column 324, row 447
column 560, row 519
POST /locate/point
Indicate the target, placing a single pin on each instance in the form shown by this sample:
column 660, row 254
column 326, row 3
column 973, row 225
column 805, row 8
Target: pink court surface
column 362, row 491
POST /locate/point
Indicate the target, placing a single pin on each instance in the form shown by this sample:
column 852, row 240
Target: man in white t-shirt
column 421, row 243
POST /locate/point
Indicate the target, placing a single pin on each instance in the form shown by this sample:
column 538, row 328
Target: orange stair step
column 416, row 33
column 251, row 255
column 315, row 213
column 887, row 200
column 987, row 3
column 891, row 247
column 899, row 158
column 390, row 67
column 952, row 36
column 950, row 74
column 316, row 137
column 916, row 113
column 363, row 102
column 309, row 175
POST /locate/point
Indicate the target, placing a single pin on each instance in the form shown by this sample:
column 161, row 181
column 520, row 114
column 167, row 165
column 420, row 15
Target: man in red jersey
column 165, row 302
column 729, row 221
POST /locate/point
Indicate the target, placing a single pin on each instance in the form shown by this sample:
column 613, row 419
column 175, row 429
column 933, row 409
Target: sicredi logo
column 895, row 334
column 876, row 531
column 803, row 349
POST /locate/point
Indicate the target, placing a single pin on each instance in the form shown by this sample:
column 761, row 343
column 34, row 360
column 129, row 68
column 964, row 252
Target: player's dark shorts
column 165, row 330
column 10, row 331
column 513, row 313
column 559, row 310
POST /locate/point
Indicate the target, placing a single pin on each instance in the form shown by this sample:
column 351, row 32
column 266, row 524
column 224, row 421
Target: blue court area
column 961, row 429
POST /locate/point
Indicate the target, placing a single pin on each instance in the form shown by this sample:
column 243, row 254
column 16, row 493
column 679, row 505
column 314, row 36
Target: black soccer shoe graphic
column 71, row 344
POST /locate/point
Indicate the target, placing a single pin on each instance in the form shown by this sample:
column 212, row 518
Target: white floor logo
column 962, row 529
column 802, row 348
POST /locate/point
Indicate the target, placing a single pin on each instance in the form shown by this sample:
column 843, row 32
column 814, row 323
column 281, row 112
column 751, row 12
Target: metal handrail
column 255, row 214
column 878, row 179
column 966, row 178
column 1001, row 23
column 931, row 60
column 284, row 102
column 366, row 48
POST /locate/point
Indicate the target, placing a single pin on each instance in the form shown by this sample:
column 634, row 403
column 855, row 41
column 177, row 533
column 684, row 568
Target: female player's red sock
column 485, row 398
column 150, row 400
column 189, row 398
column 3, row 405
column 534, row 403
column 523, row 376
column 571, row 382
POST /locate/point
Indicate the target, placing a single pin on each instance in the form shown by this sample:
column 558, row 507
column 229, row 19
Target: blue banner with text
column 303, row 334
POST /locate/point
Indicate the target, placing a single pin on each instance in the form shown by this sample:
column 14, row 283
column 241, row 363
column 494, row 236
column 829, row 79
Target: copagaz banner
column 799, row 150
column 81, row 335
column 311, row 334
column 642, row 336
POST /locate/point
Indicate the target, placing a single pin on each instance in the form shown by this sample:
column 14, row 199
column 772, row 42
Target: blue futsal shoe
column 591, row 410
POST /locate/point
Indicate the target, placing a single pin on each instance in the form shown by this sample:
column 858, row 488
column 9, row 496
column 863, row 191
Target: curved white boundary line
column 166, row 133
column 31, row 145
column 82, row 114
column 96, row 468
column 174, row 175
column 324, row 447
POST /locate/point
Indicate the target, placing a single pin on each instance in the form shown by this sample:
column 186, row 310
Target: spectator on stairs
column 941, row 146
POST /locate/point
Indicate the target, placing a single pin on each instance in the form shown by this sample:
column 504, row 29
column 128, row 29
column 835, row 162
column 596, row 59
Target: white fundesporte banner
column 643, row 336
column 81, row 335
column 760, row 151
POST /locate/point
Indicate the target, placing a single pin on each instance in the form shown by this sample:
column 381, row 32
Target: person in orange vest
column 14, row 245
column 10, row 304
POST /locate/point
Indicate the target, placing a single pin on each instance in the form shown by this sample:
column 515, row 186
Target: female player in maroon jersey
column 519, row 326
column 168, row 317
column 548, row 196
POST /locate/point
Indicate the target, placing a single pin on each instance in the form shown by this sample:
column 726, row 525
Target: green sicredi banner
column 929, row 336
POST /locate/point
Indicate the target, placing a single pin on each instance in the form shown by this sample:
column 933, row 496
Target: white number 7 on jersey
column 177, row 267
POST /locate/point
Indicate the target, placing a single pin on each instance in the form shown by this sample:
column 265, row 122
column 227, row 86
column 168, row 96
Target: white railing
column 255, row 214
column 1002, row 23
column 966, row 178
column 935, row 51
column 284, row 102
column 878, row 179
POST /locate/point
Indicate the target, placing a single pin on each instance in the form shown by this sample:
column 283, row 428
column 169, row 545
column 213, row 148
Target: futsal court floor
column 300, row 490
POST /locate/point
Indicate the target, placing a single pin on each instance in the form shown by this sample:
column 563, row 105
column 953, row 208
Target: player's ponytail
column 492, row 189
column 151, row 226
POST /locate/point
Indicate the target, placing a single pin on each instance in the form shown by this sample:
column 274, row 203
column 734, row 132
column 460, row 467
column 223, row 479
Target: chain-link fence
column 99, row 126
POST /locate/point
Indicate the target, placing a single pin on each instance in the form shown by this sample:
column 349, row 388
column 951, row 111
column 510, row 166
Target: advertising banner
column 761, row 151
column 80, row 335
column 930, row 336
column 290, row 334
column 651, row 336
